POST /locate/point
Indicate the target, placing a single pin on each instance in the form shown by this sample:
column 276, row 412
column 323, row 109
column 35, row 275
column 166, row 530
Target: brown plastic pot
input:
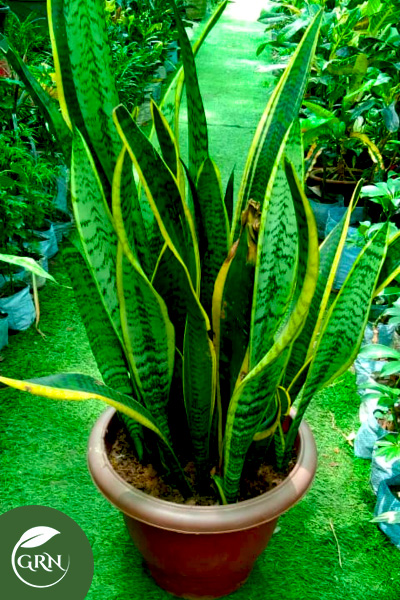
column 334, row 186
column 198, row 551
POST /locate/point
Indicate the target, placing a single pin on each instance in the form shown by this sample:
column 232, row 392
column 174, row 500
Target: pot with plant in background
column 17, row 302
column 196, row 9
column 203, row 378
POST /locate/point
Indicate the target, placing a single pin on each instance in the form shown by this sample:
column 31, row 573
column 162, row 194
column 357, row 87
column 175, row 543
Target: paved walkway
column 234, row 91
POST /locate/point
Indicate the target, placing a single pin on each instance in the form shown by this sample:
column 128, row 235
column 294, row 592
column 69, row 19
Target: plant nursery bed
column 257, row 479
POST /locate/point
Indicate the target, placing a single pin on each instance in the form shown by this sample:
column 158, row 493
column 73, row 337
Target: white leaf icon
column 37, row 536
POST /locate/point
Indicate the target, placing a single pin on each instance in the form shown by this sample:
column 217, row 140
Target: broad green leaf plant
column 208, row 319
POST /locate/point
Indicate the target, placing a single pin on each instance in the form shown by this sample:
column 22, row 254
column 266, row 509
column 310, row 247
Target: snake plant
column 205, row 315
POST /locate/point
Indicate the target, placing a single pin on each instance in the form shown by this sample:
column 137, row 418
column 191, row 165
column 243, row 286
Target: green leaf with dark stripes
column 199, row 384
column 164, row 280
column 106, row 348
column 166, row 140
column 132, row 215
column 214, row 222
column 197, row 124
column 277, row 259
column 282, row 109
column 330, row 253
column 94, row 224
column 162, row 191
column 84, row 75
column 148, row 335
column 343, row 330
column 232, row 309
column 391, row 266
column 254, row 397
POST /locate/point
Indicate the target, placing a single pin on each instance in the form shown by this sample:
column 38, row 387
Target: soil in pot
column 258, row 477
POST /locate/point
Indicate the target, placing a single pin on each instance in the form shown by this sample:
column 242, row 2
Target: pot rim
column 200, row 519
column 314, row 174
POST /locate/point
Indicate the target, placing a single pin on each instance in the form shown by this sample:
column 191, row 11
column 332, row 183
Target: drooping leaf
column 27, row 263
column 78, row 387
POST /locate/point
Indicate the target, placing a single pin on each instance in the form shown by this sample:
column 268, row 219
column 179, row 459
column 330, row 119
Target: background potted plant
column 223, row 360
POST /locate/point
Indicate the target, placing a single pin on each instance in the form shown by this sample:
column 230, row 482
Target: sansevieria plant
column 204, row 314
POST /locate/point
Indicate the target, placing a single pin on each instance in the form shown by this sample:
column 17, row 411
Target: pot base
column 199, row 567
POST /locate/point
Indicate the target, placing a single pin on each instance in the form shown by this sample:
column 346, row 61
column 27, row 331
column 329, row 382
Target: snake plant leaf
column 251, row 400
column 171, row 101
column 84, row 74
column 231, row 310
column 214, row 223
column 199, row 387
column 107, row 350
column 164, row 281
column 27, row 263
column 294, row 150
column 166, row 139
column 149, row 337
column 254, row 395
column 342, row 333
column 78, row 387
column 229, row 197
column 162, row 191
column 391, row 266
column 45, row 103
column 95, row 226
column 330, row 253
column 277, row 261
column 131, row 212
column 197, row 124
column 147, row 331
column 283, row 107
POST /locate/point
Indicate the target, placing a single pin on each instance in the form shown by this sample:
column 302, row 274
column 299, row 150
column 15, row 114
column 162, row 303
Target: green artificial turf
column 43, row 443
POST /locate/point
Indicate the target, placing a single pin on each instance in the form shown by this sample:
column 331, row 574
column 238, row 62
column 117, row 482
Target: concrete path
column 234, row 90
